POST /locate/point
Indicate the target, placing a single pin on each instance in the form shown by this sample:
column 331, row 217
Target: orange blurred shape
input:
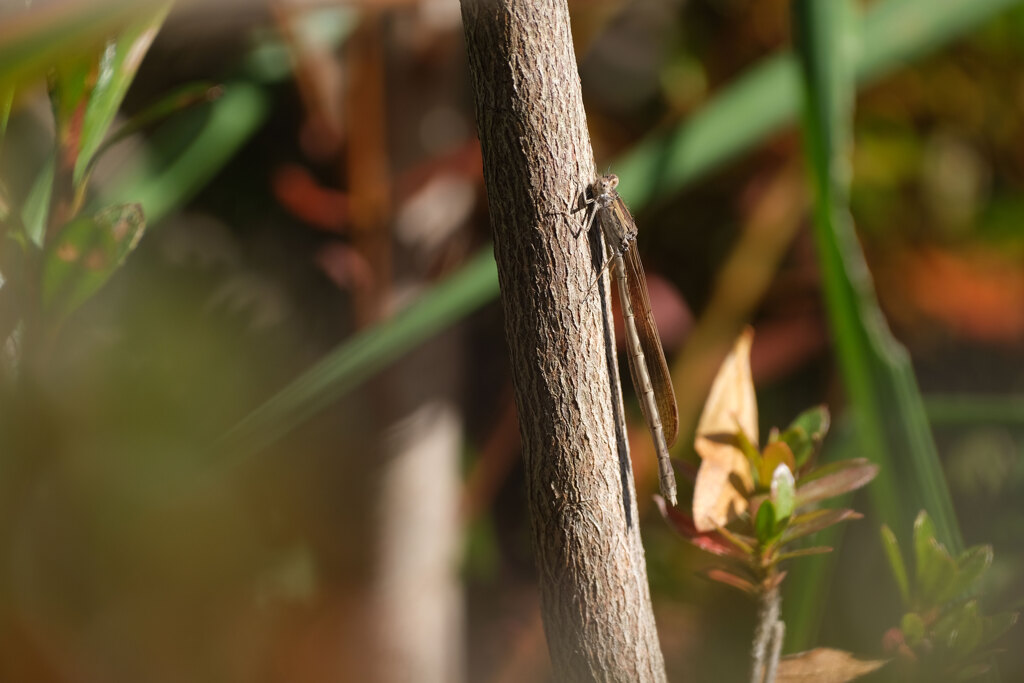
column 300, row 193
column 978, row 293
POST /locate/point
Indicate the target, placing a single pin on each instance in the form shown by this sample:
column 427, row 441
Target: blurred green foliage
column 942, row 635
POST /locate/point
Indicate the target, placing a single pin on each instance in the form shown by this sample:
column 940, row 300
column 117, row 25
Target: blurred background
column 277, row 442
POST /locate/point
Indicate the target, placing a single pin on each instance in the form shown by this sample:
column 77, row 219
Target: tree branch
column 537, row 158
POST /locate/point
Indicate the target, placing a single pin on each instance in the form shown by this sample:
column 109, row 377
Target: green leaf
column 172, row 103
column 996, row 625
column 814, row 421
column 189, row 150
column 783, row 495
column 924, row 536
column 115, row 69
column 70, row 84
column 913, row 628
column 799, row 443
column 764, row 524
column 967, row 632
column 812, row 522
column 6, row 103
column 36, row 210
column 803, row 552
column 971, row 565
column 899, row 569
column 86, row 253
column 849, row 478
column 805, row 434
column 936, row 574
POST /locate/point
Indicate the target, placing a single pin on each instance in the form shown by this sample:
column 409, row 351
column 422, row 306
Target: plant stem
column 768, row 636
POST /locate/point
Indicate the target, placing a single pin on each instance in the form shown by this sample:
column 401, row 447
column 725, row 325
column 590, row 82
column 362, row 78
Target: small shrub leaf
column 853, row 475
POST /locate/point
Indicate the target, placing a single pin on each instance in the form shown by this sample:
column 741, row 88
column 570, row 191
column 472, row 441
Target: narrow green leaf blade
column 184, row 159
column 804, row 552
column 764, row 523
column 924, row 536
column 35, row 211
column 876, row 369
column 115, row 69
column 899, row 568
column 360, row 357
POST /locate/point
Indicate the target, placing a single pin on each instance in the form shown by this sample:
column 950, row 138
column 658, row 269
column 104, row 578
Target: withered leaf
column 824, row 665
column 731, row 406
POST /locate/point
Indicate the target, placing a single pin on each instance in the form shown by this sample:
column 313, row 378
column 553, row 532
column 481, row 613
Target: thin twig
column 767, row 638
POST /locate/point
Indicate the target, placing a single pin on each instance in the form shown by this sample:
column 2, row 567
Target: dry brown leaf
column 731, row 405
column 824, row 665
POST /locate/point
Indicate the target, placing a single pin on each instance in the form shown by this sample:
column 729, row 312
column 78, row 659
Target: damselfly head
column 603, row 188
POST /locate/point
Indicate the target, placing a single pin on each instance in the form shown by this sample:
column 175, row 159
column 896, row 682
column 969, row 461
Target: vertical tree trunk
column 537, row 158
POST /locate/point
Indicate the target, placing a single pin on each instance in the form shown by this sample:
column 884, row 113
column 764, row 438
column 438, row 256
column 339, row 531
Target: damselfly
column 646, row 357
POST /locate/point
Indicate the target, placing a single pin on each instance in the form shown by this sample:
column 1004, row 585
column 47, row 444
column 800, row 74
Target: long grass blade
column 365, row 354
column 890, row 417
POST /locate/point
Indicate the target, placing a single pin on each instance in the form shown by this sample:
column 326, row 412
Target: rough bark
column 537, row 158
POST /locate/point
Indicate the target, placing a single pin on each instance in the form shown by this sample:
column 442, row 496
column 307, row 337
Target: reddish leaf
column 712, row 541
column 813, row 522
column 300, row 193
column 730, row 579
column 853, row 475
